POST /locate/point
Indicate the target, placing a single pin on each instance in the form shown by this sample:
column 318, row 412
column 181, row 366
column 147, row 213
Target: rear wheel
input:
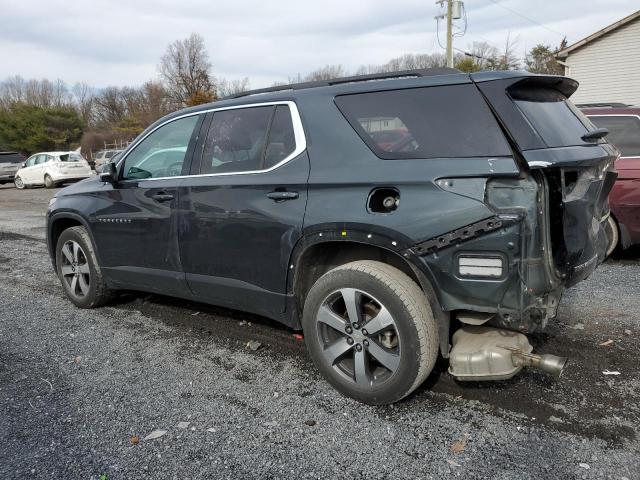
column 48, row 182
column 370, row 331
column 79, row 271
column 18, row 183
column 612, row 234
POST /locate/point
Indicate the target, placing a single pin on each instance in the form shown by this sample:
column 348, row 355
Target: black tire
column 413, row 322
column 48, row 182
column 97, row 293
column 17, row 181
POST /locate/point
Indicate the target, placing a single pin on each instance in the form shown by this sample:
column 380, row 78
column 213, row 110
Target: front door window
column 162, row 153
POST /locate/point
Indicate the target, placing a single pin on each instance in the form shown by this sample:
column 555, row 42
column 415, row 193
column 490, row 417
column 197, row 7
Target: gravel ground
column 77, row 387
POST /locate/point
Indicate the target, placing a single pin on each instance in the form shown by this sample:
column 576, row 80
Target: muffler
column 485, row 353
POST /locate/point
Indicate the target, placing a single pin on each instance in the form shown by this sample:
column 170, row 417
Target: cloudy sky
column 115, row 42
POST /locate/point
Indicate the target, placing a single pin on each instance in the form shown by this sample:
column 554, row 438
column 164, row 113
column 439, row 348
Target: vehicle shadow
column 631, row 254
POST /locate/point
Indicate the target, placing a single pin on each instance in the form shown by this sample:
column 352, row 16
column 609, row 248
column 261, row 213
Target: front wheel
column 370, row 331
column 79, row 271
column 18, row 183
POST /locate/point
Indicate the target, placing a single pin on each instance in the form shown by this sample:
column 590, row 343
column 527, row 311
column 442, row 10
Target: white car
column 51, row 169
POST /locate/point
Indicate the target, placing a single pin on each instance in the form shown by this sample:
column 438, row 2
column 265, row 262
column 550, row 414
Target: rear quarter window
column 624, row 132
column 426, row 122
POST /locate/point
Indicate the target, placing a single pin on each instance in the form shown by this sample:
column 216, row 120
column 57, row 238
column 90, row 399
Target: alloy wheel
column 359, row 337
column 75, row 269
column 19, row 183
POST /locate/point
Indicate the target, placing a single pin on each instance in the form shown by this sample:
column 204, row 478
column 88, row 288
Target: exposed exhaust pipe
column 487, row 353
column 551, row 364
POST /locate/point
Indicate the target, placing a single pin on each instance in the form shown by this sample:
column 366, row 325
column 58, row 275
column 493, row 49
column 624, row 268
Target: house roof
column 594, row 36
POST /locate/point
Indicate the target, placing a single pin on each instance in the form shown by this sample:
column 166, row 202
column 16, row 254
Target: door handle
column 283, row 195
column 162, row 197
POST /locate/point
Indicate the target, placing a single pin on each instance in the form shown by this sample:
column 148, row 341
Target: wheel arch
column 315, row 255
column 58, row 223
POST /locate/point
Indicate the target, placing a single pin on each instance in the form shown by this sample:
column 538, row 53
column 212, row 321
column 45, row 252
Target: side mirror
column 24, row 164
column 109, row 174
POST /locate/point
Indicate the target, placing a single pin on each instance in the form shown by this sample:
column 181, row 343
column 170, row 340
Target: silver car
column 10, row 163
column 104, row 156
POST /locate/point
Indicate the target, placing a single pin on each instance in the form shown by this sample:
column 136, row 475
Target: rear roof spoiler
column 565, row 85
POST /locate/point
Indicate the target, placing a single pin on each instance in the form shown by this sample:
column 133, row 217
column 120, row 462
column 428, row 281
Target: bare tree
column 508, row 60
column 12, row 91
column 186, row 71
column 109, row 107
column 484, row 55
column 408, row 61
column 156, row 102
column 83, row 96
column 328, row 72
column 38, row 93
column 225, row 87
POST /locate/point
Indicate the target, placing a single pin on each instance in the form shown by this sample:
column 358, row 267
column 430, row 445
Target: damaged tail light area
column 578, row 206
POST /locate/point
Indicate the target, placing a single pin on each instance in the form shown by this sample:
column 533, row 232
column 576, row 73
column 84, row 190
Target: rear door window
column 427, row 122
column 558, row 122
column 282, row 141
column 624, row 132
column 236, row 140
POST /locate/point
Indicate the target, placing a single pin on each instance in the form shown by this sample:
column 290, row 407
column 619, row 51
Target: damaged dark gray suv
column 392, row 218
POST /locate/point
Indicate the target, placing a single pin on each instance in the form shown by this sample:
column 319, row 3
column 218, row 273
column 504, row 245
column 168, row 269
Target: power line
column 515, row 12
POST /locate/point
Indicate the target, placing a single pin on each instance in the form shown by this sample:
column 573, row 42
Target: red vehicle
column 623, row 124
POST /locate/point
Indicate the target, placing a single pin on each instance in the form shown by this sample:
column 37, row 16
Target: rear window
column 624, row 132
column 556, row 119
column 426, row 122
column 71, row 157
column 11, row 158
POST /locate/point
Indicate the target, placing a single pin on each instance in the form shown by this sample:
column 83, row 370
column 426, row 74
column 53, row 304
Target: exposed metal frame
column 616, row 115
column 298, row 131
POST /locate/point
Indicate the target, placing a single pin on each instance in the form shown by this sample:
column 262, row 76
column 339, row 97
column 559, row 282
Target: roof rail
column 425, row 72
column 602, row 104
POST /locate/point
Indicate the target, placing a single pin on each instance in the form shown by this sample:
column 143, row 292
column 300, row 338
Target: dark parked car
column 290, row 203
column 623, row 124
column 10, row 163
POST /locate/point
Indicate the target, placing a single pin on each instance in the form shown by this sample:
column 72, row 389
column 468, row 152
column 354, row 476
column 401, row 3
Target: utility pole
column 449, row 34
column 453, row 12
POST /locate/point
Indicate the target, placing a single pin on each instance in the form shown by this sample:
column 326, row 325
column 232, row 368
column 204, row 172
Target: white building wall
column 608, row 68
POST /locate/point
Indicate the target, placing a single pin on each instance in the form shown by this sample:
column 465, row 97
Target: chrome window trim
column 615, row 115
column 298, row 132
